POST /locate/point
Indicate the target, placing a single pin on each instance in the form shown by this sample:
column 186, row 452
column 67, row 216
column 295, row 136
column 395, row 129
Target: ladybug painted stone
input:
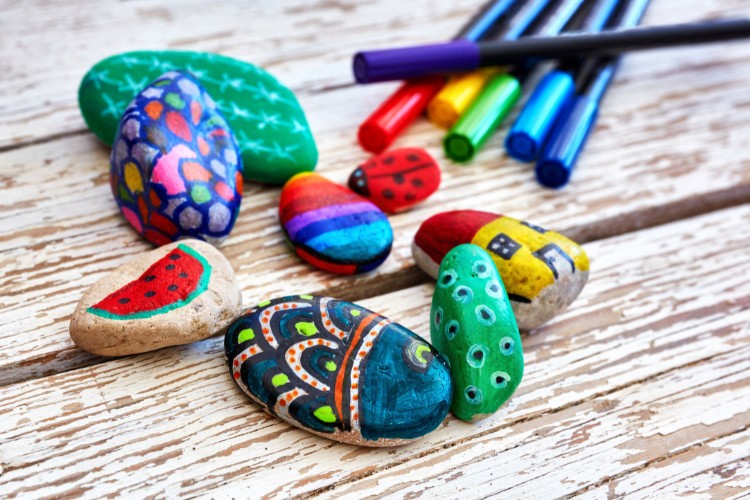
column 397, row 179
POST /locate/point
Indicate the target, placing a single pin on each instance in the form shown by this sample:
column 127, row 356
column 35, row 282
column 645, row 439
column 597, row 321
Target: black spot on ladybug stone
column 398, row 179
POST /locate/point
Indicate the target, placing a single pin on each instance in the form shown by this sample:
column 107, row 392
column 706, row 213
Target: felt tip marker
column 556, row 164
column 463, row 55
column 409, row 101
column 501, row 92
column 552, row 95
column 462, row 89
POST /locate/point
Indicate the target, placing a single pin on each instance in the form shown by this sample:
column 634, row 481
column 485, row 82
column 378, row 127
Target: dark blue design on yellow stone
column 339, row 370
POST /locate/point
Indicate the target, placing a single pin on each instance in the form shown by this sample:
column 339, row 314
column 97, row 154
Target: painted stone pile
column 472, row 324
column 331, row 227
column 175, row 294
column 328, row 366
column 543, row 271
column 175, row 166
column 274, row 137
column 339, row 370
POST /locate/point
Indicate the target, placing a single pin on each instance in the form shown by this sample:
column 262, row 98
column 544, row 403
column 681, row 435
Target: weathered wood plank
column 561, row 453
column 718, row 468
column 662, row 326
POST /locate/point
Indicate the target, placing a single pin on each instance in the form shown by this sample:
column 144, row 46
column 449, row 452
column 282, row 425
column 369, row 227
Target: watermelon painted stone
column 339, row 370
column 175, row 294
column 274, row 138
column 543, row 271
column 333, row 228
column 397, row 179
column 472, row 324
column 175, row 169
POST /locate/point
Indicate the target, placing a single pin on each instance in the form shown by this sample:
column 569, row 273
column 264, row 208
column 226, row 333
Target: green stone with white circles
column 472, row 324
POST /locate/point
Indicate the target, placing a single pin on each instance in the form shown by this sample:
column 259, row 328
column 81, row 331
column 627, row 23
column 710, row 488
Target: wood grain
column 656, row 328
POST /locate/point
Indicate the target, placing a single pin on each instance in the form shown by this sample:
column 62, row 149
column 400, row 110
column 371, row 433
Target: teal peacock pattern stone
column 273, row 135
column 339, row 370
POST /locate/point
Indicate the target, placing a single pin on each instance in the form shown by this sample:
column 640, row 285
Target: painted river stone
column 338, row 370
column 175, row 294
column 397, row 179
column 472, row 324
column 274, row 138
column 333, row 228
column 175, row 167
column 543, row 271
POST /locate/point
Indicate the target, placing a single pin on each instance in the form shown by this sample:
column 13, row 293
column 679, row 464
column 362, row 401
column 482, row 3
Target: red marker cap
column 398, row 112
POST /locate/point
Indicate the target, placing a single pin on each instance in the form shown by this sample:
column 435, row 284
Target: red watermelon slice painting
column 172, row 282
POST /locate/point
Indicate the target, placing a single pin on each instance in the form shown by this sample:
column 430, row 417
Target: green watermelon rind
column 202, row 287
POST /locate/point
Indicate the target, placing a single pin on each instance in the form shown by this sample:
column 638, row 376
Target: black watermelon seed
column 174, row 256
column 150, row 277
column 183, row 275
column 150, row 293
column 124, row 300
column 172, row 288
column 170, row 267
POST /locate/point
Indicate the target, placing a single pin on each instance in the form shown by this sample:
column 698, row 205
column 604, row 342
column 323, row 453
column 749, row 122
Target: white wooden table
column 641, row 388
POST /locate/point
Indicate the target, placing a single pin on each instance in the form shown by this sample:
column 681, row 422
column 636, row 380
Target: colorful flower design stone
column 339, row 370
column 333, row 228
column 273, row 135
column 543, row 271
column 175, row 167
column 472, row 324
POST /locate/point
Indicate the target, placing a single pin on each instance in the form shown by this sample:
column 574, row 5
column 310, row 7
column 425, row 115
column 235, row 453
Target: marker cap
column 559, row 157
column 404, row 106
column 482, row 118
column 457, row 95
column 533, row 126
column 410, row 62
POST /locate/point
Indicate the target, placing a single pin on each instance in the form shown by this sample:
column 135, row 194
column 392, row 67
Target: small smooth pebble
column 543, row 271
column 398, row 179
column 472, row 324
column 333, row 228
column 163, row 176
column 339, row 370
column 270, row 126
column 175, row 294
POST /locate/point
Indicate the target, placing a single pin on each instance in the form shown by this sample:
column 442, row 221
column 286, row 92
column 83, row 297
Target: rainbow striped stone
column 333, row 228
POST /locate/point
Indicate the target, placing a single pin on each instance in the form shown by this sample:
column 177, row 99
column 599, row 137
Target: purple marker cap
column 402, row 64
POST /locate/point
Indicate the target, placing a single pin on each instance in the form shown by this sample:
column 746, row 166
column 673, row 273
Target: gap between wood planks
column 531, row 418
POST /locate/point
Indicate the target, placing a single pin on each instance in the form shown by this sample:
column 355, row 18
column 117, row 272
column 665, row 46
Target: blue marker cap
column 535, row 122
column 568, row 138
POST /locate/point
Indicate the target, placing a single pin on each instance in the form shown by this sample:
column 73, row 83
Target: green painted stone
column 268, row 122
column 472, row 324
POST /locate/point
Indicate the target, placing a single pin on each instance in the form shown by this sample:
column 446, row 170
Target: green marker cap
column 482, row 118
